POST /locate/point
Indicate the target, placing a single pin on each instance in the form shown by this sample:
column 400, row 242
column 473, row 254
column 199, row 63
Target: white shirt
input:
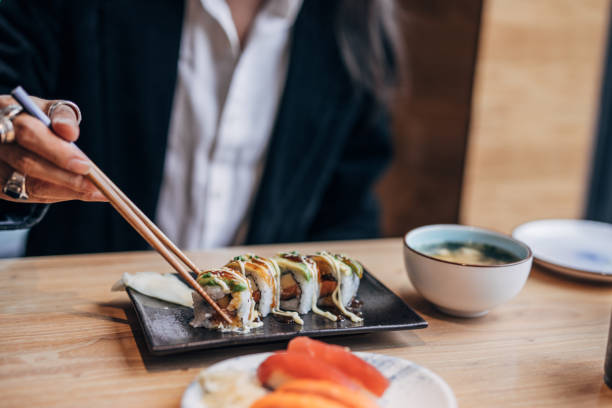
column 224, row 109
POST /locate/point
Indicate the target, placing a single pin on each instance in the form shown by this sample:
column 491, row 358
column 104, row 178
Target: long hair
column 368, row 36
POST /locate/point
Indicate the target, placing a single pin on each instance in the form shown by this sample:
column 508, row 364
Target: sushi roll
column 299, row 283
column 263, row 275
column 350, row 278
column 272, row 266
column 233, row 293
column 261, row 278
column 339, row 278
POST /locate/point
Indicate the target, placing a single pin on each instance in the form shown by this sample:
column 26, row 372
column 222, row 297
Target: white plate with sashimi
column 311, row 374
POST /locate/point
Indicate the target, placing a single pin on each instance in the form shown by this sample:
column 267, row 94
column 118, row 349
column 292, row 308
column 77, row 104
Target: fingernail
column 79, row 166
column 64, row 121
column 66, row 129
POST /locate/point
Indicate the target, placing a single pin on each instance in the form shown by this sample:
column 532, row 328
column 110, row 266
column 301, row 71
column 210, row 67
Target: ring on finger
column 7, row 131
column 15, row 187
column 70, row 104
column 11, row 111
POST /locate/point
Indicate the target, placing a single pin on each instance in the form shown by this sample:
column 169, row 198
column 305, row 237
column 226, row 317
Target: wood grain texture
column 68, row 341
column 535, row 104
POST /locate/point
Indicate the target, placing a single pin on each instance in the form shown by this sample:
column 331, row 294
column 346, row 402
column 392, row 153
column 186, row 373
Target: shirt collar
column 274, row 16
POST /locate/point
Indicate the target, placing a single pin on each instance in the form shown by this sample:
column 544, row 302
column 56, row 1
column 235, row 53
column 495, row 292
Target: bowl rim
column 471, row 228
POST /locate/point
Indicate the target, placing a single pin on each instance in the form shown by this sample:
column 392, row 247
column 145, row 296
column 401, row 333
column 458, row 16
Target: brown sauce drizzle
column 284, row 319
column 294, row 258
column 354, row 307
column 355, row 304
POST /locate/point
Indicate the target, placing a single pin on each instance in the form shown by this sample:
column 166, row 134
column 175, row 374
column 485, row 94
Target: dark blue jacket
column 118, row 59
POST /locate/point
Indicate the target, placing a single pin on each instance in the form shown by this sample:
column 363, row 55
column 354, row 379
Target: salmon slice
column 329, row 390
column 343, row 360
column 292, row 400
column 283, row 367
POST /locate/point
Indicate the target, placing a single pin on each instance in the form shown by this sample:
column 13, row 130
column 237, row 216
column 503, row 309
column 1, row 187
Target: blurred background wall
column 536, row 86
column 431, row 115
column 536, row 100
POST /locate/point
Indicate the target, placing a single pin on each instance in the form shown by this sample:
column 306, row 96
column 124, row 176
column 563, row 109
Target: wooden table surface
column 66, row 340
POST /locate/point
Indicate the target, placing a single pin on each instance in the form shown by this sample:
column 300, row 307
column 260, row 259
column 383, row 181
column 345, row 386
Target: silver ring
column 7, row 131
column 15, row 187
column 11, row 111
column 70, row 104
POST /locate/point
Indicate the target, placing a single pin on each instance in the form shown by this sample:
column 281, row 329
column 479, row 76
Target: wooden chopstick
column 148, row 223
column 130, row 212
column 149, row 231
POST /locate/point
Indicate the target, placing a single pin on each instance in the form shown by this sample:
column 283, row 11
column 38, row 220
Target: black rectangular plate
column 167, row 330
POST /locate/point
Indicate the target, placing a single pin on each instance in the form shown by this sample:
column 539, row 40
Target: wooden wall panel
column 535, row 103
column 431, row 116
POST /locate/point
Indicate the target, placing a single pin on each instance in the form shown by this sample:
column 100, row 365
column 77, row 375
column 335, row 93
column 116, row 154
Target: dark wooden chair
column 599, row 204
column 431, row 115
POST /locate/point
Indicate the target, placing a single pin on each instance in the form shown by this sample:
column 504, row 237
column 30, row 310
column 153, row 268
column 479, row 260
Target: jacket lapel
column 310, row 130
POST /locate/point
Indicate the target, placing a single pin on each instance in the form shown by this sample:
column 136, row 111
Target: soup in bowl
column 465, row 271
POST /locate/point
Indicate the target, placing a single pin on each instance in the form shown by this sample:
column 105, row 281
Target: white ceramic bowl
column 462, row 289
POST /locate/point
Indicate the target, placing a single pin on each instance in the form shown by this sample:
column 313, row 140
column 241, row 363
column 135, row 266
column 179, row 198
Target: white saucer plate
column 578, row 248
column 411, row 384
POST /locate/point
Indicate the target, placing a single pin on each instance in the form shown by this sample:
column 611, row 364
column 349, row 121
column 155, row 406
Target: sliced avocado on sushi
column 293, row 266
column 235, row 286
column 355, row 266
column 208, row 279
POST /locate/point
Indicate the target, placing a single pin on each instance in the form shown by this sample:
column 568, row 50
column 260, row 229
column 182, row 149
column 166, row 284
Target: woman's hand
column 53, row 166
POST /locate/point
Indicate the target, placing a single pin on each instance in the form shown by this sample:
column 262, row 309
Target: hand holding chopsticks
column 131, row 213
